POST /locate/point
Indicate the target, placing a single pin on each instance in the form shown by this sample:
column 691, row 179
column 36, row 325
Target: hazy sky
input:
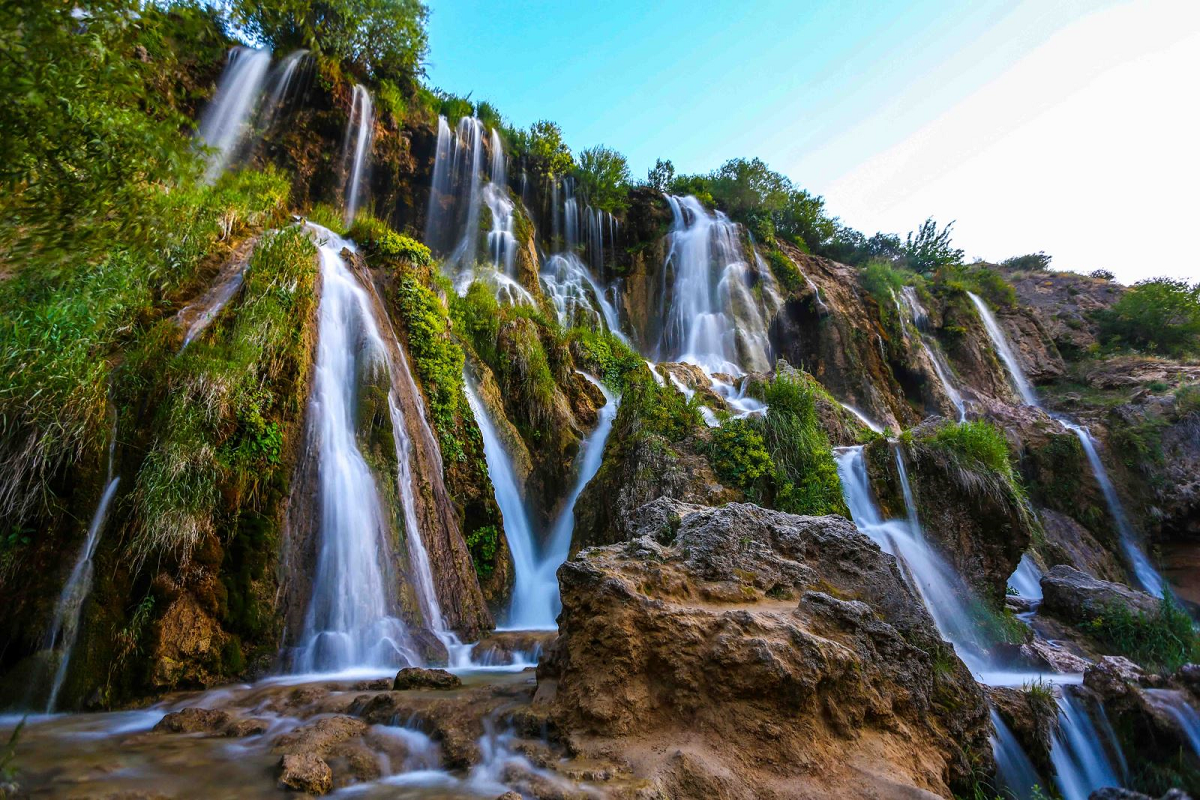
column 1069, row 127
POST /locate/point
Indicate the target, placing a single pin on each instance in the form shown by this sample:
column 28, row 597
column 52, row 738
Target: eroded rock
column 305, row 772
column 1077, row 597
column 419, row 678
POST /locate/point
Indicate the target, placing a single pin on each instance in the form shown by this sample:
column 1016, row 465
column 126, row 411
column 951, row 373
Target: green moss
column 1163, row 641
column 437, row 358
column 476, row 319
column 483, row 542
column 380, row 240
column 606, row 356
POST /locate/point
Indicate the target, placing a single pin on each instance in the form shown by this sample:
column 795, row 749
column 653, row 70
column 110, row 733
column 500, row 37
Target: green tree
column 1160, row 314
column 929, row 249
column 1036, row 262
column 383, row 38
column 603, row 175
column 546, row 154
column 661, row 175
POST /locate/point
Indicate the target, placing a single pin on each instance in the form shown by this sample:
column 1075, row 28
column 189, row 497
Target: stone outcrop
column 760, row 654
column 1077, row 597
column 418, row 678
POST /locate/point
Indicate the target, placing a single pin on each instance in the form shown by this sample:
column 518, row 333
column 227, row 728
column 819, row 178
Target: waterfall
column 468, row 165
column 360, row 130
column 712, row 317
column 1000, row 343
column 202, row 312
column 941, row 368
column 226, row 118
column 1143, row 571
column 441, row 190
column 1080, row 764
column 281, row 86
column 1176, row 705
column 351, row 619
column 64, row 629
column 1014, row 769
column 1026, row 580
column 529, row 601
column 863, row 418
column 536, row 603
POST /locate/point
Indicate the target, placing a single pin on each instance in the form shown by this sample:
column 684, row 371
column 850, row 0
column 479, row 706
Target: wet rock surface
column 1077, row 597
column 418, row 678
column 758, row 654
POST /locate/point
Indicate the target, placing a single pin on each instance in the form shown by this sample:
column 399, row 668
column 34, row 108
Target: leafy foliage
column 661, row 175
column 1163, row 641
column 545, row 154
column 380, row 38
column 381, row 240
column 1158, row 315
column 1034, row 262
column 928, row 249
column 605, row 355
column 603, row 175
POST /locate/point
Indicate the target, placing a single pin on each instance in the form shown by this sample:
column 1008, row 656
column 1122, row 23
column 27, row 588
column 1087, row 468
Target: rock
column 1078, row 546
column 787, row 651
column 1077, row 597
column 1112, row 677
column 509, row 796
column 1032, row 717
column 1113, row 793
column 419, row 678
column 305, row 773
column 189, row 639
column 319, row 736
column 193, row 720
column 506, row 647
column 247, row 727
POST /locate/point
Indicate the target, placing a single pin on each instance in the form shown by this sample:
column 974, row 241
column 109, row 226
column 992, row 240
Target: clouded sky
column 1069, row 127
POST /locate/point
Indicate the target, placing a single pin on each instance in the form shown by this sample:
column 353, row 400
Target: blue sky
column 846, row 98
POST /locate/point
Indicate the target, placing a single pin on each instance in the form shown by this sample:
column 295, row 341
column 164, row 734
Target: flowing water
column 197, row 316
column 1143, row 571
column 1176, row 704
column 360, row 132
column 713, row 317
column 1026, row 580
column 1016, row 772
column 1080, row 762
column 933, row 351
column 283, row 86
column 225, row 122
column 352, row 617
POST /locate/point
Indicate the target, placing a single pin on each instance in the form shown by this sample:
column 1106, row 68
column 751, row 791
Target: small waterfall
column 351, row 620
column 225, row 121
column 1081, row 765
column 863, row 418
column 1026, row 580
column 468, row 168
column 199, row 315
column 283, row 86
column 360, row 132
column 441, row 190
column 1014, row 769
column 712, row 318
column 941, row 368
column 1176, row 705
column 536, row 602
column 1000, row 343
column 64, row 630
column 1143, row 571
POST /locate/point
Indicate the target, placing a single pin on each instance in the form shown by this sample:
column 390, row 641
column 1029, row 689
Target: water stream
column 360, row 132
column 352, row 620
column 1081, row 764
column 933, row 351
column 225, row 121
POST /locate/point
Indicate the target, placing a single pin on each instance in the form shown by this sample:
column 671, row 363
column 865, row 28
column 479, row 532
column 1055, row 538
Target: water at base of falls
column 352, row 619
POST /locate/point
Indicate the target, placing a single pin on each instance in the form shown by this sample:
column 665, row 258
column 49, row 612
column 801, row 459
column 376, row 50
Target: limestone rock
column 787, row 651
column 1076, row 597
column 193, row 720
column 305, row 773
column 418, row 678
column 319, row 736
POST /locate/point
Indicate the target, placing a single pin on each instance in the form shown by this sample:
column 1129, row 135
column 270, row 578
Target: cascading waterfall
column 1081, row 764
column 283, row 84
column 1143, row 571
column 1026, row 579
column 1176, row 704
column 198, row 316
column 225, row 120
column 1016, row 772
column 441, row 189
column 536, row 603
column 712, row 317
column 351, row 620
column 920, row 321
column 468, row 167
column 1000, row 343
column 64, row 630
column 360, row 132
column 502, row 242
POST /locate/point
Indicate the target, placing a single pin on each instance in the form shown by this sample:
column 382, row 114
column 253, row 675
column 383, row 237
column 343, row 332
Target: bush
column 1102, row 274
column 1163, row 641
column 1158, row 315
column 930, row 249
column 740, row 458
column 978, row 457
column 661, row 175
column 605, row 355
column 1033, row 262
column 379, row 239
column 785, row 271
column 546, row 155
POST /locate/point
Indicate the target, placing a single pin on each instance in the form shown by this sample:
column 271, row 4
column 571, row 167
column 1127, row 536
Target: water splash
column 225, row 122
column 360, row 132
column 351, row 620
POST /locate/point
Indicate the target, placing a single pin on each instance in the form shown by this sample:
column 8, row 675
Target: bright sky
column 1057, row 125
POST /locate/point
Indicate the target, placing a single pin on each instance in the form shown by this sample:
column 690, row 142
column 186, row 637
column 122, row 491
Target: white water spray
column 360, row 132
column 225, row 122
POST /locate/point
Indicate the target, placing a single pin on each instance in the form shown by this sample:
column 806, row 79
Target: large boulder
column 760, row 654
column 1076, row 597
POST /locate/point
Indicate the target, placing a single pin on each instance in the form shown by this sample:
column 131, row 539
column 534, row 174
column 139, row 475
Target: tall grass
column 219, row 431
column 63, row 328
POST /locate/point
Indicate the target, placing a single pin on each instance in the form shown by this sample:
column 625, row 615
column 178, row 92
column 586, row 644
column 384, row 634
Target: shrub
column 661, row 175
column 605, row 355
column 1102, row 274
column 380, row 240
column 785, row 271
column 740, row 458
column 546, row 154
column 482, row 544
column 1163, row 641
column 1159, row 315
column 476, row 317
column 929, row 249
column 1034, row 262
